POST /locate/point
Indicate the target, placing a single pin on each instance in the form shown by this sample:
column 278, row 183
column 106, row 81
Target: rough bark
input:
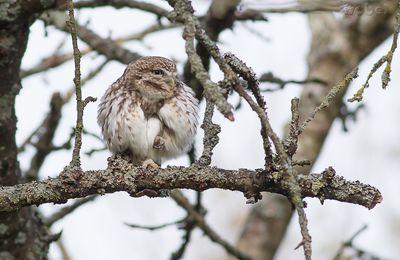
column 121, row 175
column 22, row 236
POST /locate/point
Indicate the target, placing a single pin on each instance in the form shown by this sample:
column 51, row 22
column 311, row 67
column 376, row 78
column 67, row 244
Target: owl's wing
column 110, row 107
column 125, row 127
column 180, row 116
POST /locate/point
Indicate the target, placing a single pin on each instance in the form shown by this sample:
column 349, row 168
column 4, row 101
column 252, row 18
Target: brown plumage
column 148, row 112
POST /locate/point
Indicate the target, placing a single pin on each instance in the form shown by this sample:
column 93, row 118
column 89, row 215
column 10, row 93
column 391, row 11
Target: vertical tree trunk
column 22, row 235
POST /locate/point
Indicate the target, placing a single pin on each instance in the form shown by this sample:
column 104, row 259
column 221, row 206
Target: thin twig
column 329, row 98
column 157, row 227
column 349, row 242
column 56, row 60
column 67, row 210
column 64, row 252
column 291, row 141
column 77, row 81
column 211, row 131
column 107, row 47
column 182, row 248
column 44, row 137
column 95, row 150
column 44, row 134
column 385, row 78
column 271, row 78
column 200, row 222
column 28, row 140
column 80, row 104
column 249, row 76
column 289, row 174
column 345, row 114
column 50, row 62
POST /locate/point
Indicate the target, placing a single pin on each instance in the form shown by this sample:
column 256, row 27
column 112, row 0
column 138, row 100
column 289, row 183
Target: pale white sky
column 369, row 152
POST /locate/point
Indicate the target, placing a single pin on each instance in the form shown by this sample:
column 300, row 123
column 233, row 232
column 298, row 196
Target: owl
column 148, row 113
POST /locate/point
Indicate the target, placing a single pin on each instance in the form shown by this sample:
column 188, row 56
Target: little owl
column 148, row 113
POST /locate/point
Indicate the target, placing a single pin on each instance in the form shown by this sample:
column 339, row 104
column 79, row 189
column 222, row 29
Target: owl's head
column 154, row 77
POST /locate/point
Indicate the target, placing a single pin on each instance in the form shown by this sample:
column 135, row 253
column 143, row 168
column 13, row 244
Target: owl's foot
column 126, row 155
column 159, row 143
column 149, row 164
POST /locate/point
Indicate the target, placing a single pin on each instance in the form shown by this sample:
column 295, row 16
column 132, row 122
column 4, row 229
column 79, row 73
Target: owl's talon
column 159, row 143
column 150, row 165
column 126, row 156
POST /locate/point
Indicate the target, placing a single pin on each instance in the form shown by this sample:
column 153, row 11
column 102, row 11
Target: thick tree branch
column 120, row 175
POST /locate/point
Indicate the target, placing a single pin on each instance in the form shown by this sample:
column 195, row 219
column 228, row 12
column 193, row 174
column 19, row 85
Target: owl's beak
column 171, row 81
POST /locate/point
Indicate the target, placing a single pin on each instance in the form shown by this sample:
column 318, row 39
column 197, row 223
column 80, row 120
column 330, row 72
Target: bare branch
column 220, row 16
column 350, row 244
column 107, row 47
column 200, row 222
column 329, row 98
column 181, row 250
column 271, row 78
column 291, row 140
column 285, row 161
column 152, row 228
column 329, row 60
column 211, row 89
column 50, row 62
column 45, row 135
column 64, row 252
column 77, row 81
column 56, row 60
column 67, row 210
column 358, row 96
column 250, row 15
column 211, row 131
column 249, row 76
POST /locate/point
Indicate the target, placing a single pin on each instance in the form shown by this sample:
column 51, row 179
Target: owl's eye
column 158, row 72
